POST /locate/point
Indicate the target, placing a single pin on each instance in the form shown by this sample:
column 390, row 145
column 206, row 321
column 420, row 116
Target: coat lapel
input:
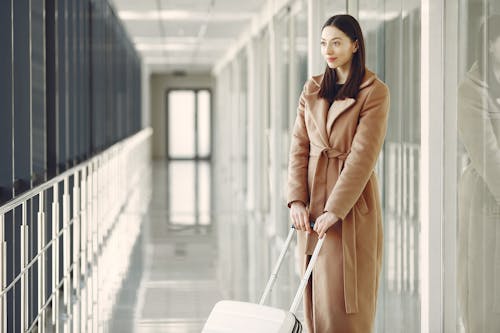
column 318, row 108
column 337, row 108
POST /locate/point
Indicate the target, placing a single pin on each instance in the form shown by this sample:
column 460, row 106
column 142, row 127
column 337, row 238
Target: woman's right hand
column 300, row 216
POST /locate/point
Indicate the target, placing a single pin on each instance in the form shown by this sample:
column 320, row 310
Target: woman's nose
column 329, row 48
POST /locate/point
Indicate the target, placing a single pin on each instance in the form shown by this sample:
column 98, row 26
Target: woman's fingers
column 317, row 223
column 297, row 220
column 303, row 218
column 306, row 221
column 300, row 218
column 321, row 231
column 303, row 221
column 319, row 227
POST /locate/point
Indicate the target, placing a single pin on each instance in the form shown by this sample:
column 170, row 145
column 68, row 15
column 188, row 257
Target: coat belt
column 318, row 199
column 324, row 155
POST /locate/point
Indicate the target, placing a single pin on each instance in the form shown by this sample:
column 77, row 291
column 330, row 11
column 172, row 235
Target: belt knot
column 328, row 152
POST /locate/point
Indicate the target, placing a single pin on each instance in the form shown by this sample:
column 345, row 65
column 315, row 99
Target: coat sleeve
column 299, row 157
column 478, row 135
column 365, row 149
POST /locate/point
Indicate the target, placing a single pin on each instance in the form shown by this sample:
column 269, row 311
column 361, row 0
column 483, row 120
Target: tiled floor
column 171, row 285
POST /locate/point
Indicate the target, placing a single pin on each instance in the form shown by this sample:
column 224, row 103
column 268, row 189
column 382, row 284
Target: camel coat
column 332, row 156
column 479, row 206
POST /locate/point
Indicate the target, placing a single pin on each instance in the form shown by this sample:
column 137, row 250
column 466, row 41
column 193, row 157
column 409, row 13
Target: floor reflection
column 171, row 285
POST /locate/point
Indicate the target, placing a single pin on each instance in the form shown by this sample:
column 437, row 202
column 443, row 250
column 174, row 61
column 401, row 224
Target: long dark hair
column 350, row 26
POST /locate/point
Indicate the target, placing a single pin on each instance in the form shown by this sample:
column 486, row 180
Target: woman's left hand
column 324, row 222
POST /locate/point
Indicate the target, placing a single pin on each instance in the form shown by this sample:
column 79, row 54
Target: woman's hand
column 324, row 222
column 300, row 216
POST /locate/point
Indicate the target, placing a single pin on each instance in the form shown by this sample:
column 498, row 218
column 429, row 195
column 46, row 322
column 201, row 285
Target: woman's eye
column 322, row 43
column 336, row 43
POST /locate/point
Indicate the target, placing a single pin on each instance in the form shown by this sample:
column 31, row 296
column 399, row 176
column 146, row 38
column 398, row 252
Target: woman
column 337, row 137
column 479, row 199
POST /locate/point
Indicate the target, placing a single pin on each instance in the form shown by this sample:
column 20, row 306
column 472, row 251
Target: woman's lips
column 331, row 59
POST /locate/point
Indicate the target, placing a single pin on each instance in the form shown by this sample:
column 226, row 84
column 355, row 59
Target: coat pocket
column 361, row 205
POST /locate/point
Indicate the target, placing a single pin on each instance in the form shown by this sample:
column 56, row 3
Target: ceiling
column 185, row 35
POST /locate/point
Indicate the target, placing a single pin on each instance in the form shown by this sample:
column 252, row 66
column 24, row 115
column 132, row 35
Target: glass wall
column 231, row 165
column 279, row 120
column 298, row 60
column 257, row 98
column 475, row 192
column 392, row 37
column 72, row 91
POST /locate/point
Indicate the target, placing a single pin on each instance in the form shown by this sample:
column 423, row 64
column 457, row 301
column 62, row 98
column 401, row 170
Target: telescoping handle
column 305, row 279
column 274, row 275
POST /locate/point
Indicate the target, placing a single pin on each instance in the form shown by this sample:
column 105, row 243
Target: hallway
column 145, row 158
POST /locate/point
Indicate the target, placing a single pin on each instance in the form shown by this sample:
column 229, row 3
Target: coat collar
column 323, row 117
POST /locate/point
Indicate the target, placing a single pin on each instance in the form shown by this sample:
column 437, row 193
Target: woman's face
column 337, row 48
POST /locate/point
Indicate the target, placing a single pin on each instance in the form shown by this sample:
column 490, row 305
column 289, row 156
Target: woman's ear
column 356, row 45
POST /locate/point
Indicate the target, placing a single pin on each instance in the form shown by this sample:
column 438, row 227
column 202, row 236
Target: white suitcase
column 243, row 317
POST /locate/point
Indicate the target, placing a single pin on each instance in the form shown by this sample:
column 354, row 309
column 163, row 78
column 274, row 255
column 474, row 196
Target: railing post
column 55, row 257
column 95, row 239
column 83, row 249
column 24, row 275
column 66, row 247
column 3, row 308
column 41, row 261
column 77, row 213
column 76, row 233
column 90, row 257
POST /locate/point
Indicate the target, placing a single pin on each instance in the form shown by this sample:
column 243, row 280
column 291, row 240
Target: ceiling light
column 183, row 15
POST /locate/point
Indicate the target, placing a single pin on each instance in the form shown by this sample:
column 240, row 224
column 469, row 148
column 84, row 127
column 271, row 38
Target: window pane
column 299, row 65
column 181, row 123
column 204, row 123
column 204, row 192
column 392, row 52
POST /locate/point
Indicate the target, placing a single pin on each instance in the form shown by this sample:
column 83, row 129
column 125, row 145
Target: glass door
column 188, row 156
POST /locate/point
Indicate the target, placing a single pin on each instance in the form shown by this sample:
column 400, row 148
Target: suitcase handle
column 307, row 274
column 274, row 275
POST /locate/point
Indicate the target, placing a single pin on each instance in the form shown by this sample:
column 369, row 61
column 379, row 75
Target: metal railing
column 54, row 270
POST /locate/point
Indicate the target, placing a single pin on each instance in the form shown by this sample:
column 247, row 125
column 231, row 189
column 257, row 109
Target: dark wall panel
column 51, row 87
column 70, row 83
column 22, row 96
column 61, row 88
column 6, row 101
column 38, row 140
